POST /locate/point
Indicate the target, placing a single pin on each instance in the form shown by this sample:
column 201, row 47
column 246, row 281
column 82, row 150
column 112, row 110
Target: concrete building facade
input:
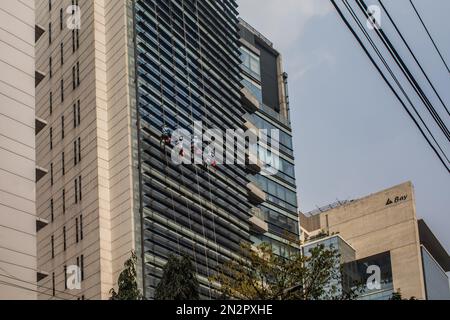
column 18, row 173
column 386, row 223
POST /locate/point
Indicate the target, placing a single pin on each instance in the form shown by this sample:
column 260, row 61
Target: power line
column 414, row 56
column 429, row 35
column 406, row 72
column 388, row 83
column 29, row 289
column 10, row 276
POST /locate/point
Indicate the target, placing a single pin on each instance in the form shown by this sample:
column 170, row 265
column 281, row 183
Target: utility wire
column 429, row 35
column 405, row 70
column 414, row 56
column 387, row 82
column 29, row 289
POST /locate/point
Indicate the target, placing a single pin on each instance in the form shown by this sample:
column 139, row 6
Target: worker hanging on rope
column 166, row 135
column 210, row 158
column 197, row 146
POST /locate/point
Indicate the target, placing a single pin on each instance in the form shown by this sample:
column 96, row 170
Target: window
column 73, row 78
column 79, row 149
column 62, row 53
column 80, row 264
column 52, row 244
column 63, row 165
column 52, row 208
column 76, row 190
column 77, row 34
column 75, row 158
column 251, row 63
column 64, row 201
column 62, row 90
column 50, row 69
column 81, row 227
column 79, row 112
column 65, row 277
column 76, row 230
column 73, row 40
column 51, row 102
column 61, row 19
column 79, row 185
column 53, row 284
column 62, row 127
column 82, row 267
column 74, row 115
column 49, row 33
column 64, row 239
column 49, row 5
column 78, row 74
column 51, row 138
column 51, row 173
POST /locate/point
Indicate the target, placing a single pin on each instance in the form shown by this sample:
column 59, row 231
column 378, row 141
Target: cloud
column 282, row 20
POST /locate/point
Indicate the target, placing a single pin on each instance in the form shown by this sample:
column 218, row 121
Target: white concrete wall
column 17, row 151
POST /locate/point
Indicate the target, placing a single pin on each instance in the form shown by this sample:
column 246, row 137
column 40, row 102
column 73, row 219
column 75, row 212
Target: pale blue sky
column 351, row 135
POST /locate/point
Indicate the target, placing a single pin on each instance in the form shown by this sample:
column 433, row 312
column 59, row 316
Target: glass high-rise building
column 119, row 88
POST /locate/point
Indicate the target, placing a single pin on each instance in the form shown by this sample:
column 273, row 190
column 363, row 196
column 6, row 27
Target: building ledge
column 255, row 194
column 40, row 275
column 39, row 125
column 40, row 224
column 40, row 173
column 249, row 100
column 257, row 223
column 38, row 77
column 38, row 32
column 253, row 163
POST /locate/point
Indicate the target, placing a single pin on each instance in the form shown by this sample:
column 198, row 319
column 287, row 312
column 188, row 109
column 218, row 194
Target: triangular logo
column 389, row 202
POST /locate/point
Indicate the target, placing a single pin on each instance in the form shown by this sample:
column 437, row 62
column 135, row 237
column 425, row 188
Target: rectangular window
column 79, row 187
column 79, row 112
column 73, row 78
column 63, row 165
column 73, row 40
column 62, row 127
column 81, row 227
column 52, row 244
column 50, row 69
column 65, row 277
column 64, row 201
column 52, row 208
column 75, row 158
column 74, row 116
column 51, row 102
column 78, row 74
column 49, row 5
column 51, row 173
column 61, row 19
column 79, row 149
column 62, row 90
column 76, row 190
column 53, row 284
column 62, row 53
column 76, row 230
column 82, row 267
column 64, row 239
column 51, row 138
column 77, row 33
column 49, row 33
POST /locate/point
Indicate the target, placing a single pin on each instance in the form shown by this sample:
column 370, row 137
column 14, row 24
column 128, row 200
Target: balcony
column 38, row 32
column 254, row 165
column 40, row 224
column 40, row 173
column 255, row 194
column 38, row 77
column 257, row 223
column 40, row 275
column 249, row 100
column 39, row 125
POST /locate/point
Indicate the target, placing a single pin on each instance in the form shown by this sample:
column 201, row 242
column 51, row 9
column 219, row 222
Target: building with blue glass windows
column 115, row 96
